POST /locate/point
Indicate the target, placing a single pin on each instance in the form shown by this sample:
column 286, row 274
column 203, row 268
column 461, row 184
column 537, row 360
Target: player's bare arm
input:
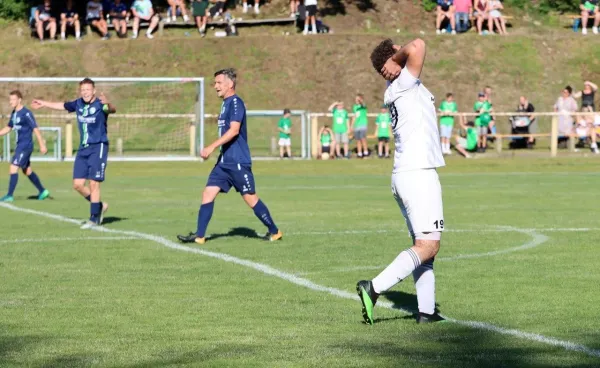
column 40, row 140
column 231, row 133
column 411, row 56
column 38, row 104
column 4, row 131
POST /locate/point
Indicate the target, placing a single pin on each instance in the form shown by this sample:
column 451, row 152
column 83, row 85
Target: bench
column 473, row 19
column 576, row 20
column 181, row 24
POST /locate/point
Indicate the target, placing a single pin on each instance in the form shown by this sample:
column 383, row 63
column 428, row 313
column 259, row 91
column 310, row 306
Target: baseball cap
column 481, row 94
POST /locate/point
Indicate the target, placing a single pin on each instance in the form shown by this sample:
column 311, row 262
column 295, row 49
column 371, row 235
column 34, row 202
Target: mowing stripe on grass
column 268, row 270
column 45, row 240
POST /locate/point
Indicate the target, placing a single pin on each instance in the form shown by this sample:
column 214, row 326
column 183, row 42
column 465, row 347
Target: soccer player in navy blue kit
column 23, row 123
column 234, row 165
column 92, row 155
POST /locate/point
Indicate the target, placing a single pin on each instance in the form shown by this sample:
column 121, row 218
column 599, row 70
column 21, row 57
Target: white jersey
column 414, row 123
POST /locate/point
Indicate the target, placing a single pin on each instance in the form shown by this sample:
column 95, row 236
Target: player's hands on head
column 391, row 70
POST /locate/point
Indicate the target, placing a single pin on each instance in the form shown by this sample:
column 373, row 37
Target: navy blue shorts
column 90, row 162
column 21, row 157
column 238, row 176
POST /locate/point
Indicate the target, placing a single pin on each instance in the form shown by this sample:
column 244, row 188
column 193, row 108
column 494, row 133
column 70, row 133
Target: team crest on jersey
column 92, row 110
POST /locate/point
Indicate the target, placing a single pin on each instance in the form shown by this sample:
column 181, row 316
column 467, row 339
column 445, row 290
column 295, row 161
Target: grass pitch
column 520, row 253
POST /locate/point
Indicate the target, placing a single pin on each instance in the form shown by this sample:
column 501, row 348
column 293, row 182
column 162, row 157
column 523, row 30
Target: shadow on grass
column 113, row 219
column 338, row 7
column 242, row 232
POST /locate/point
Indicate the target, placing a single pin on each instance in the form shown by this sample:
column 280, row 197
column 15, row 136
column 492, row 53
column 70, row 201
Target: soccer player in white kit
column 415, row 182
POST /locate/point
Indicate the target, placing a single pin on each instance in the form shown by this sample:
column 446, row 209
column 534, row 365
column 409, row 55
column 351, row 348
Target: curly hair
column 381, row 54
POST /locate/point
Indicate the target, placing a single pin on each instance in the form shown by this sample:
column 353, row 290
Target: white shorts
column 446, row 131
column 419, row 195
column 283, row 142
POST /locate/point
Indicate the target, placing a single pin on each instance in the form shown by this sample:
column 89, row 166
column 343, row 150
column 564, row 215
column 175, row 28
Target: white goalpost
column 158, row 119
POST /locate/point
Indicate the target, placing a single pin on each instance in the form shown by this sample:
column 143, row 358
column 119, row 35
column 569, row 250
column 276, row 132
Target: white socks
column 446, row 147
column 425, row 285
column 398, row 270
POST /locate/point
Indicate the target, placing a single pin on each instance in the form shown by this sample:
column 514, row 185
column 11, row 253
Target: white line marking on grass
column 500, row 229
column 268, row 270
column 45, row 240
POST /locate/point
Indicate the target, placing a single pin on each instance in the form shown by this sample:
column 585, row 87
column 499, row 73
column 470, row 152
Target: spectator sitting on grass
column 468, row 142
column 327, row 143
column 285, row 129
column 311, row 14
column 69, row 18
column 142, row 11
column 118, row 13
column 256, row 7
column 447, row 111
column 382, row 132
column 482, row 13
column 340, row 127
column 445, row 9
column 44, row 21
column 495, row 17
column 95, row 18
column 566, row 106
column 589, row 8
column 173, row 5
column 200, row 11
column 359, row 126
column 483, row 107
column 587, row 95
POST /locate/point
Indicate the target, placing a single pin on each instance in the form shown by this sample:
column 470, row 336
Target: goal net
column 157, row 118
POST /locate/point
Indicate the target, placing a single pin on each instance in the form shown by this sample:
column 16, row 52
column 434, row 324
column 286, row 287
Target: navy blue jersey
column 92, row 119
column 23, row 123
column 235, row 151
column 118, row 9
column 45, row 13
column 69, row 13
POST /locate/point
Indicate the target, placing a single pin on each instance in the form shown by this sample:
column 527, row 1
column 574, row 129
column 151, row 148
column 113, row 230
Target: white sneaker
column 595, row 30
column 256, row 10
column 292, row 15
column 149, row 35
column 437, row 31
column 134, row 36
column 584, row 31
column 468, row 156
column 174, row 18
column 168, row 20
column 88, row 225
column 186, row 18
column 245, row 10
column 453, row 32
column 305, row 32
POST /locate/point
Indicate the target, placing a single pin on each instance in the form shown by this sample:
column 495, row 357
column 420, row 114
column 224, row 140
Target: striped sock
column 398, row 270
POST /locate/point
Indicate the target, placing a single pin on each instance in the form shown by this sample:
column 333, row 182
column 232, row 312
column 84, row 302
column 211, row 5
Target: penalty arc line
column 536, row 240
column 268, row 270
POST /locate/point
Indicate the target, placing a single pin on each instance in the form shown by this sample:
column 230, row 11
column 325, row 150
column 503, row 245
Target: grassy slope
column 279, row 71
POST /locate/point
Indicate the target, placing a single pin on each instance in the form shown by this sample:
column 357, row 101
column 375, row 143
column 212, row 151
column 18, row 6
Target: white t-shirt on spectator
column 93, row 9
column 597, row 120
column 414, row 124
column 310, row 2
